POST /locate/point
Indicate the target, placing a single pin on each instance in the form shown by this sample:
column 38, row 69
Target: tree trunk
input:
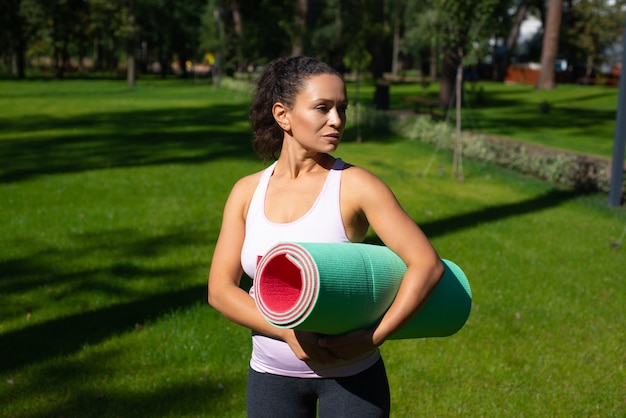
column 238, row 30
column 450, row 64
column 18, row 55
column 58, row 63
column 456, row 164
column 219, row 67
column 396, row 47
column 234, row 6
column 182, row 64
column 433, row 62
column 97, row 53
column 550, row 47
column 19, row 58
column 130, row 63
column 164, row 61
column 131, row 46
column 379, row 62
column 302, row 9
column 66, row 54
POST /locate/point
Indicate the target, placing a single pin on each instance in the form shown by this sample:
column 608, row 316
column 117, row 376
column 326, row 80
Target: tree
column 129, row 31
column 502, row 63
column 449, row 30
column 460, row 26
column 550, row 48
column 58, row 26
column 364, row 25
column 14, row 36
column 349, row 33
column 593, row 26
column 100, row 29
column 300, row 27
column 358, row 59
column 172, row 30
column 420, row 36
column 327, row 40
column 454, row 27
column 238, row 32
column 396, row 12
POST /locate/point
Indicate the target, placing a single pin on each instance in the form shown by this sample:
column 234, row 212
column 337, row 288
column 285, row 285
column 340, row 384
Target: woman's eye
column 322, row 108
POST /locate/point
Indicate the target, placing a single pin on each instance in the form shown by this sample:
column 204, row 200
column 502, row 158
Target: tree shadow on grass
column 87, row 386
column 491, row 214
column 513, row 98
column 582, row 122
column 514, row 115
column 548, row 200
column 67, row 335
column 63, row 275
column 209, row 398
column 46, row 145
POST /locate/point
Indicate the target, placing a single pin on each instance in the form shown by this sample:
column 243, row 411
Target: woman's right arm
column 224, row 293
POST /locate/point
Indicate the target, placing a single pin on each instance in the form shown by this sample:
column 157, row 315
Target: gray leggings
column 364, row 395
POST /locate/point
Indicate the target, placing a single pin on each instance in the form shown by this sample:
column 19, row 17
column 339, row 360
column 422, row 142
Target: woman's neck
column 294, row 165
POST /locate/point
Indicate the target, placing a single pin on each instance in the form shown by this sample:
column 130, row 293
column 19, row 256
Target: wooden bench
column 421, row 102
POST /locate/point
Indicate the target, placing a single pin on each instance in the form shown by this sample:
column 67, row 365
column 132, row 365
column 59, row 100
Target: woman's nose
column 335, row 118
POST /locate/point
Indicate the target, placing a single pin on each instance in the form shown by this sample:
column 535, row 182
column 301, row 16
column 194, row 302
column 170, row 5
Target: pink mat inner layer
column 282, row 284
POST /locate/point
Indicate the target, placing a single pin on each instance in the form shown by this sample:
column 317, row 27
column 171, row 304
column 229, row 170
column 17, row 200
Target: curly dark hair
column 281, row 81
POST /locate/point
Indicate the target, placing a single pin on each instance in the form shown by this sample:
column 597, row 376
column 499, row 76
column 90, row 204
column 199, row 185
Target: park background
column 123, row 126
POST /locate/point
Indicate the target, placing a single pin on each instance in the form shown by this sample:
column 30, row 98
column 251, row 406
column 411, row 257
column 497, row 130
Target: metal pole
column 617, row 165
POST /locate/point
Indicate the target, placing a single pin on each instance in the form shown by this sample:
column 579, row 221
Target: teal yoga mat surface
column 332, row 288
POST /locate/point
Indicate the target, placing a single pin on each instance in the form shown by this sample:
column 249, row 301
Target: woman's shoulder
column 242, row 191
column 361, row 185
column 247, row 185
column 356, row 175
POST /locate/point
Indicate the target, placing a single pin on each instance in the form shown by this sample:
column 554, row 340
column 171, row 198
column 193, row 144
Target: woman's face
column 318, row 117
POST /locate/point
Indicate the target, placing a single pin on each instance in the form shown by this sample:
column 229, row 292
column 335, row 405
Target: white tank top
column 322, row 223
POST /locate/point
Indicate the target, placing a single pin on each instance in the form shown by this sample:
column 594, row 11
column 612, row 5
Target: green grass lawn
column 580, row 118
column 110, row 204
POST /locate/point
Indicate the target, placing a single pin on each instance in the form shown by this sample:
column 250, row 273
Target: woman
column 299, row 113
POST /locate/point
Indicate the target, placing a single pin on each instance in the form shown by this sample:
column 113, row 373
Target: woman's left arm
column 372, row 198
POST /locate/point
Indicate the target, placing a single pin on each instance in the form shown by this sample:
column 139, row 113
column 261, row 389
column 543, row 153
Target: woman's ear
column 280, row 115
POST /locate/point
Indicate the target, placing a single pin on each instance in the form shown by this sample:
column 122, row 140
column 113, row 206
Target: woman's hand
column 305, row 346
column 349, row 345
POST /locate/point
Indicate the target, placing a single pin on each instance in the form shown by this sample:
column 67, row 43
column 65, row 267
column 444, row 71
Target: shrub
column 581, row 172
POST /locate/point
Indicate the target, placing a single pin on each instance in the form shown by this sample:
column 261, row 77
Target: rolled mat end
column 283, row 284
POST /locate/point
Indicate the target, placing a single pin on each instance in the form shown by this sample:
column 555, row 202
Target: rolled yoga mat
column 332, row 288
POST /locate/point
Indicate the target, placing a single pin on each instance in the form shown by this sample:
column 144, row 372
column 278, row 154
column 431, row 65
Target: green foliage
column 209, row 36
column 326, row 36
column 421, row 30
column 457, row 24
column 593, row 27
